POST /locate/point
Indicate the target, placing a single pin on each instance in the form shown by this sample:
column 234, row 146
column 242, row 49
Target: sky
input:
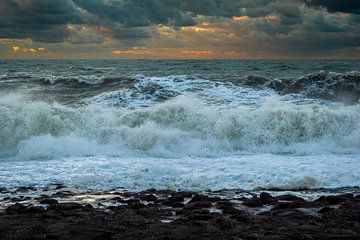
column 235, row 29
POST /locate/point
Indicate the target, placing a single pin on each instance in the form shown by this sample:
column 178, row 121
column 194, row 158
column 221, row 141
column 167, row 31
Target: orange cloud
column 272, row 18
column 134, row 51
column 15, row 49
column 196, row 53
column 240, row 18
column 32, row 50
column 163, row 52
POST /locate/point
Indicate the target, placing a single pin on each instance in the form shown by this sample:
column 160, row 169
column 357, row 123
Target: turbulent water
column 204, row 124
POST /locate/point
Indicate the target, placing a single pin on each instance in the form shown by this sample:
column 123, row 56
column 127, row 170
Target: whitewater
column 167, row 124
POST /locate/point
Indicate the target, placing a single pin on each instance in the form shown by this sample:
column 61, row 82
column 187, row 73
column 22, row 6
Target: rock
column 203, row 204
column 16, row 208
column 34, row 209
column 267, row 199
column 49, row 201
column 253, row 202
column 223, row 204
column 177, row 205
column 199, row 198
column 135, row 204
column 325, row 210
column 118, row 199
column 183, row 194
column 62, row 194
column 290, row 198
column 67, row 206
column 200, row 215
column 149, row 198
column 333, row 200
column 232, row 211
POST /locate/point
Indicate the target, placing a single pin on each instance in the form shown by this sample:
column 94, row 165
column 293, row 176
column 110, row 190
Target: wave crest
column 178, row 128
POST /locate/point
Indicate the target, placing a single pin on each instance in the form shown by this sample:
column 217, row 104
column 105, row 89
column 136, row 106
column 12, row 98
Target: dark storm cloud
column 346, row 6
column 310, row 25
column 37, row 19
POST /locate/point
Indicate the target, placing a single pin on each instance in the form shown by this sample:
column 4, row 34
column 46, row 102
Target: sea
column 180, row 124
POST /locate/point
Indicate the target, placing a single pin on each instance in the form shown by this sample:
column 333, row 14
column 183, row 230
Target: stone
column 253, row 202
column 267, row 199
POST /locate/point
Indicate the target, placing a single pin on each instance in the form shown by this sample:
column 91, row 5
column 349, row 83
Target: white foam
column 260, row 171
column 178, row 128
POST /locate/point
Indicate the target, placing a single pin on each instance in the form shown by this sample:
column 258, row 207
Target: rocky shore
column 58, row 212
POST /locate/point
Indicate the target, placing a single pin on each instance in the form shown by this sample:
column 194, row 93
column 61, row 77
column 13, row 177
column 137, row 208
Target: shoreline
column 64, row 213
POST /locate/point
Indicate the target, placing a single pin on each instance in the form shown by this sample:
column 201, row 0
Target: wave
column 180, row 127
column 326, row 85
column 148, row 91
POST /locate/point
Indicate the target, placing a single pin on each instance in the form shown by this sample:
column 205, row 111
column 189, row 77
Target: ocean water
column 180, row 124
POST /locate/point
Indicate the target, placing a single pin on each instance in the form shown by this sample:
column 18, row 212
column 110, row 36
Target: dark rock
column 135, row 204
column 149, row 198
column 232, row 211
column 16, row 208
column 290, row 198
column 325, row 210
column 67, row 206
column 223, row 204
column 199, row 198
column 183, row 194
column 118, row 199
column 177, row 205
column 253, row 202
column 49, row 201
column 333, row 200
column 62, row 194
column 34, row 209
column 267, row 199
column 200, row 215
column 88, row 206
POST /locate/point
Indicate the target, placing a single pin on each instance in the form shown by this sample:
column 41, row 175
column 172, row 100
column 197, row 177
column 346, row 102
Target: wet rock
column 34, row 209
column 135, row 204
column 325, row 210
column 223, row 204
column 177, row 205
column 183, row 195
column 49, row 201
column 149, row 198
column 333, row 200
column 16, row 208
column 232, row 211
column 62, row 194
column 67, row 206
column 241, row 217
column 199, row 198
column 118, row 199
column 290, row 198
column 253, row 202
column 267, row 199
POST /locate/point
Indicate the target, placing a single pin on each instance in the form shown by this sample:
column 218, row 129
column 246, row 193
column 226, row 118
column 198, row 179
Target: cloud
column 39, row 20
column 198, row 28
column 346, row 6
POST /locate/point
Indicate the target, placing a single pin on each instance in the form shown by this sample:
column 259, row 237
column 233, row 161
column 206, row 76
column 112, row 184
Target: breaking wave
column 326, row 85
column 180, row 127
